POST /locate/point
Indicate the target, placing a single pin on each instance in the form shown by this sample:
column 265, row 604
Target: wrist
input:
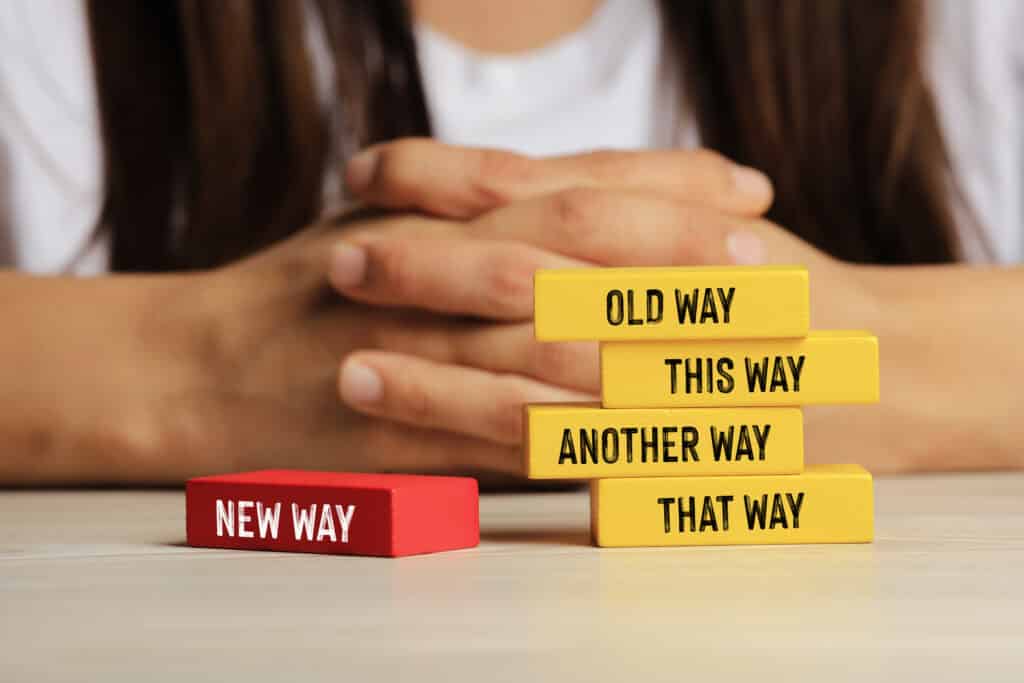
column 76, row 383
column 137, row 411
column 181, row 343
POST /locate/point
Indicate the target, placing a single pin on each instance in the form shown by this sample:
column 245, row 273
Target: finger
column 446, row 180
column 697, row 176
column 617, row 228
column 506, row 348
column 463, row 182
column 513, row 348
column 450, row 398
column 486, row 278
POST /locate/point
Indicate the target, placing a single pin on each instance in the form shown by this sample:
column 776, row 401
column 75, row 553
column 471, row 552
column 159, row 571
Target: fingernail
column 348, row 266
column 359, row 384
column 360, row 170
column 751, row 182
column 745, row 248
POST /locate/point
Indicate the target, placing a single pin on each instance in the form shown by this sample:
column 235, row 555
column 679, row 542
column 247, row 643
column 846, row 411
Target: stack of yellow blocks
column 699, row 436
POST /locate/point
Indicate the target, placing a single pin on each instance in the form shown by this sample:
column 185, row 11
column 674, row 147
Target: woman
column 197, row 149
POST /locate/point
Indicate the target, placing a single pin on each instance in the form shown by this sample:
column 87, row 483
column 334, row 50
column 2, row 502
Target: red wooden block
column 333, row 512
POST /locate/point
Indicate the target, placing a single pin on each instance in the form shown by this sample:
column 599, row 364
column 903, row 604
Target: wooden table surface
column 97, row 585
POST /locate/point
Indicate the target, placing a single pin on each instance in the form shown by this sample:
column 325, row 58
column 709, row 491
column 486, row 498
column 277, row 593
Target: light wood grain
column 98, row 586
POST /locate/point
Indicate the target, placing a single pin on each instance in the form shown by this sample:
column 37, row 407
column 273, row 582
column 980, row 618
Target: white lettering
column 268, row 519
column 225, row 517
column 244, row 518
column 345, row 518
column 302, row 521
column 326, row 525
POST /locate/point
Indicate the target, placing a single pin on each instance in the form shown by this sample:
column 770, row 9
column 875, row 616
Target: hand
column 483, row 268
column 462, row 182
column 277, row 336
column 161, row 378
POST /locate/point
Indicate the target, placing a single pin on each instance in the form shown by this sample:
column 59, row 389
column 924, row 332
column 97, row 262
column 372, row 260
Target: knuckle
column 390, row 173
column 506, row 418
column 611, row 167
column 698, row 229
column 393, row 268
column 416, row 404
column 555, row 361
column 496, row 175
column 395, row 167
column 497, row 167
column 510, row 280
column 576, row 213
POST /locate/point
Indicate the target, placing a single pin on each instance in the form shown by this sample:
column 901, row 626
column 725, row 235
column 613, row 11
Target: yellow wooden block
column 697, row 302
column 584, row 441
column 824, row 367
column 825, row 504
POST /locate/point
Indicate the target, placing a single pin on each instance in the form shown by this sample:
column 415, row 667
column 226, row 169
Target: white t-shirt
column 604, row 86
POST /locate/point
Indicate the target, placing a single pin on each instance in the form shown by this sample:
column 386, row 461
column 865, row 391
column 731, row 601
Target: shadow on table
column 566, row 536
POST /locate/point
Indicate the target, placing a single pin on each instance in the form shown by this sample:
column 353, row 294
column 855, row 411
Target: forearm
column 76, row 358
column 951, row 342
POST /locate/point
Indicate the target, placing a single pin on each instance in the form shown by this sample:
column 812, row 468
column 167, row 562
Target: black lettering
column 724, row 500
column 615, row 307
column 649, row 445
column 684, row 513
column 796, row 369
column 588, row 445
column 757, row 374
column 629, row 433
column 743, row 447
column 725, row 382
column 610, row 445
column 694, row 374
column 756, row 510
column 631, row 309
column 707, row 515
column 686, row 306
column 665, row 503
column 655, row 301
column 667, row 444
column 778, row 513
column 709, row 311
column 794, row 507
column 689, row 443
column 721, row 443
column 779, row 376
column 726, row 298
column 673, row 373
column 568, row 453
column 762, row 440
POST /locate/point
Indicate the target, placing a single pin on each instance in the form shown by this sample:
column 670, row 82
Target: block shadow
column 566, row 536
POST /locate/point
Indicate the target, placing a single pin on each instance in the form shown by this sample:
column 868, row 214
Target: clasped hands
column 433, row 326
column 495, row 217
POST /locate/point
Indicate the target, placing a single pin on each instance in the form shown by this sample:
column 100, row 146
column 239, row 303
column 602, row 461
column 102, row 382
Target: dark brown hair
column 216, row 140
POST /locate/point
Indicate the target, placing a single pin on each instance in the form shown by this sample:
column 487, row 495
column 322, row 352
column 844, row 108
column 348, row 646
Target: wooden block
column 700, row 302
column 824, row 367
column 584, row 441
column 825, row 504
column 333, row 512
